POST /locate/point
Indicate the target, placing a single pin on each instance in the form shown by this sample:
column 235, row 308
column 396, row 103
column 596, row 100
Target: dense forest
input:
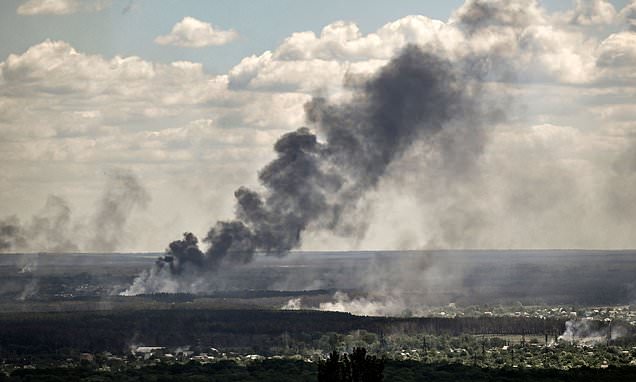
column 255, row 330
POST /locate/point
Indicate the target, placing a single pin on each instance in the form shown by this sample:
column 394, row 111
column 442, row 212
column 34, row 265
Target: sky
column 180, row 103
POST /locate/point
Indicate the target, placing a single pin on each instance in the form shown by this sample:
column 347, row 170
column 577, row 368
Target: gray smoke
column 11, row 234
column 49, row 230
column 54, row 225
column 123, row 194
column 129, row 7
column 474, row 15
column 318, row 178
column 53, row 229
column 592, row 332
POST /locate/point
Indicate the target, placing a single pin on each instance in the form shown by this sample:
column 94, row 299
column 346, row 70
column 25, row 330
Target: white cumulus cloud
column 591, row 12
column 193, row 33
column 513, row 40
column 628, row 15
column 61, row 7
column 569, row 101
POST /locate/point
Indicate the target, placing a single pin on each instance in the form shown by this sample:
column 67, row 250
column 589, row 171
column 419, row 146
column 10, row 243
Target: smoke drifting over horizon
column 123, row 195
column 50, row 227
column 319, row 178
column 53, row 229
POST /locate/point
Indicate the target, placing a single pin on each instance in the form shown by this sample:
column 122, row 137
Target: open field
column 429, row 277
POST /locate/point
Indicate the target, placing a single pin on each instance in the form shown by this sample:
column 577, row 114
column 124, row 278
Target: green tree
column 330, row 370
column 356, row 367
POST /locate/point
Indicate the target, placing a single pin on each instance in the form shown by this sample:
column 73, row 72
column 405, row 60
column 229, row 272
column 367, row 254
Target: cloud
column 475, row 15
column 193, row 33
column 61, row 7
column 618, row 50
column 65, row 113
column 568, row 90
column 591, row 12
column 308, row 63
column 515, row 40
column 55, row 67
column 54, row 91
column 88, row 93
column 617, row 59
column 628, row 15
column 520, row 39
column 342, row 40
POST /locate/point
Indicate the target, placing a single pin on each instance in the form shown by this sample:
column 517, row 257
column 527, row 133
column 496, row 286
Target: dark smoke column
column 314, row 183
column 294, row 197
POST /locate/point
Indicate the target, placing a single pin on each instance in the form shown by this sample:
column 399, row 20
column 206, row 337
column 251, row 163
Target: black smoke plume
column 319, row 176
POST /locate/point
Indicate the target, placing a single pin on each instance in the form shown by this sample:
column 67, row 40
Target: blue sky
column 262, row 25
column 189, row 96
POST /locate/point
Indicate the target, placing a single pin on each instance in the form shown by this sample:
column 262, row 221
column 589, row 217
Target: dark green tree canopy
column 355, row 367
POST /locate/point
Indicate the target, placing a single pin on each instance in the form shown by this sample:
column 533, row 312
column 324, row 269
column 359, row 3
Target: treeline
column 258, row 330
column 257, row 293
column 299, row 371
